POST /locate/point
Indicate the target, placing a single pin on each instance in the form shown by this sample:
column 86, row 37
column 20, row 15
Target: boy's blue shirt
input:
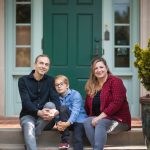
column 73, row 100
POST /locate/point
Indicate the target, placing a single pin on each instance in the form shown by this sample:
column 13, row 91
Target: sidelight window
column 121, row 33
column 23, row 33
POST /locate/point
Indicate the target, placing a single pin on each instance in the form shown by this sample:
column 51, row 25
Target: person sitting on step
column 40, row 101
column 106, row 105
column 72, row 114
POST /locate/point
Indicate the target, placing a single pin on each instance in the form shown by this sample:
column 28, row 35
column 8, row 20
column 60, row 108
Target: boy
column 71, row 113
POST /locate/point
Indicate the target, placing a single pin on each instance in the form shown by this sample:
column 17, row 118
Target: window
column 23, row 33
column 121, row 33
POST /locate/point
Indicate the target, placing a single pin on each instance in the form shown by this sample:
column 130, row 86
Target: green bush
column 142, row 63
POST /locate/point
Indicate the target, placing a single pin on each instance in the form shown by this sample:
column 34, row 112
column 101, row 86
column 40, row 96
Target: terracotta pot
column 145, row 103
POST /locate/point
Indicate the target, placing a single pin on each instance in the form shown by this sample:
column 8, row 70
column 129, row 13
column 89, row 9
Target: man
column 36, row 91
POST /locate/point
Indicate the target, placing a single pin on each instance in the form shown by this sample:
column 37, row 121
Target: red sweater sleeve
column 114, row 95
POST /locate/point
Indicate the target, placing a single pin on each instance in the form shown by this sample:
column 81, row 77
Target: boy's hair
column 64, row 78
column 42, row 55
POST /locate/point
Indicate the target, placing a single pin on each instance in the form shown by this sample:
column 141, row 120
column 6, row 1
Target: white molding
column 135, row 38
column 10, row 46
column 107, row 20
column 2, row 54
column 37, row 28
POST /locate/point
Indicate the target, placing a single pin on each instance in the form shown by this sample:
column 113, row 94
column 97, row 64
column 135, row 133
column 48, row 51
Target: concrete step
column 21, row 147
column 11, row 138
column 133, row 137
column 14, row 136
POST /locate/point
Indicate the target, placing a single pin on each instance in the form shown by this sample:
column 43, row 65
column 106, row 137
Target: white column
column 2, row 56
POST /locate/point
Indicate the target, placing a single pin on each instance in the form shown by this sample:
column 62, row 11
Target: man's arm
column 25, row 98
column 54, row 95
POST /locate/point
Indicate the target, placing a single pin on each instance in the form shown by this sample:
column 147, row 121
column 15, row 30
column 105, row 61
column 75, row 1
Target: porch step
column 21, row 147
column 11, row 138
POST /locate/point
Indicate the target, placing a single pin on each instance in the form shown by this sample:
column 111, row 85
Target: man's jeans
column 32, row 128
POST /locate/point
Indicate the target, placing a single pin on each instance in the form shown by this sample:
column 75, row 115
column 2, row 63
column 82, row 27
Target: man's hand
column 47, row 114
column 61, row 126
column 40, row 113
column 54, row 112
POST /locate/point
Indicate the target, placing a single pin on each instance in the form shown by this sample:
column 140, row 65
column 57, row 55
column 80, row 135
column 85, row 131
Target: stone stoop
column 21, row 147
column 12, row 139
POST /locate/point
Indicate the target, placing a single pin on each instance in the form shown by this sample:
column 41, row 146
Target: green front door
column 72, row 37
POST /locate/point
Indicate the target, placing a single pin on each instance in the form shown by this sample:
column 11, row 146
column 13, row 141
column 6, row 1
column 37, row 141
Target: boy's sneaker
column 63, row 146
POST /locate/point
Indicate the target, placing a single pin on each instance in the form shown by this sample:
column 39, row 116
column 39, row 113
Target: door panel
column 70, row 29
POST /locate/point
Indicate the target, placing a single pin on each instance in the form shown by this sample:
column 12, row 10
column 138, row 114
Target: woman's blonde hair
column 64, row 78
column 92, row 82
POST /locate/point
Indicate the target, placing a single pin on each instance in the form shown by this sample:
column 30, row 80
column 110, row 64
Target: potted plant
column 142, row 63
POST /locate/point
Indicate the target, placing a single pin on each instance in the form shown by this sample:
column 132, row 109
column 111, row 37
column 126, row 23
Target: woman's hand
column 96, row 119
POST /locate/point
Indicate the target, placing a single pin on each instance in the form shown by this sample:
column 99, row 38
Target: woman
column 72, row 114
column 106, row 105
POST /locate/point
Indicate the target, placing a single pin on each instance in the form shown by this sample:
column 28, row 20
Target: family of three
column 48, row 101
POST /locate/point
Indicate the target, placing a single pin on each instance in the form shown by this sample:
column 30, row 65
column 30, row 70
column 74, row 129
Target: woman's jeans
column 97, row 136
column 32, row 128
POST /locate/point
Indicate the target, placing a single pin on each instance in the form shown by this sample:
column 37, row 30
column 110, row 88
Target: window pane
column 23, row 36
column 122, row 57
column 23, row 13
column 122, row 35
column 23, row 57
column 122, row 12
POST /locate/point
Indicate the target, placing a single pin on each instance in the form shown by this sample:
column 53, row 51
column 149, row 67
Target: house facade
column 71, row 32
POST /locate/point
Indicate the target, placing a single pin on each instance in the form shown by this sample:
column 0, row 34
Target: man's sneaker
column 63, row 146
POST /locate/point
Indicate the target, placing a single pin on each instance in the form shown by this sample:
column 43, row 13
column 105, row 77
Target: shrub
column 142, row 63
